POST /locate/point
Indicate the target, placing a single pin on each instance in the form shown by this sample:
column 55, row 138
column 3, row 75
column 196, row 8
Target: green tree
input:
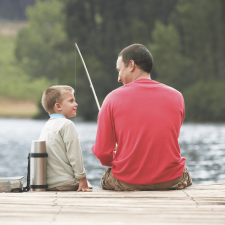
column 171, row 66
column 185, row 39
column 205, row 101
column 38, row 45
column 202, row 27
column 102, row 29
column 189, row 55
column 14, row 82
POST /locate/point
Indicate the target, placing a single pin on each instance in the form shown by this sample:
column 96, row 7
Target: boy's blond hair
column 54, row 95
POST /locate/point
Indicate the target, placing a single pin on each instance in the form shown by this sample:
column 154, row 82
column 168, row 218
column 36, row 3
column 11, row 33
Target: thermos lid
column 38, row 146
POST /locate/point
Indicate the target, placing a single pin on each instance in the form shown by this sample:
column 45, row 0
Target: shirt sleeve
column 106, row 137
column 183, row 110
column 73, row 150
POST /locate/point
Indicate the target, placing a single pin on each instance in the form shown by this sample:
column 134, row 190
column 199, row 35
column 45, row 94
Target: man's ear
column 131, row 65
column 57, row 107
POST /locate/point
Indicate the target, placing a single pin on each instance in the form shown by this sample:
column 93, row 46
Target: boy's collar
column 56, row 115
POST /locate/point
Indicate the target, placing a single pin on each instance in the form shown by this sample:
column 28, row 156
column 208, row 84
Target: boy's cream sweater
column 65, row 161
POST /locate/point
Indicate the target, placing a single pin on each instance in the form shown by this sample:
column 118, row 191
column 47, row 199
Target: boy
column 65, row 170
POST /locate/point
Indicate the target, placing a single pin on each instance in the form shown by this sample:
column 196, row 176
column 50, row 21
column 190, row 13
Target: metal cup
column 38, row 166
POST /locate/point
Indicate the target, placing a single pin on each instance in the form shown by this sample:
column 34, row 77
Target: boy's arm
column 74, row 155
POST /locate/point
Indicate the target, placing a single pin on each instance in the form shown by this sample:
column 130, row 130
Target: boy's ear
column 58, row 107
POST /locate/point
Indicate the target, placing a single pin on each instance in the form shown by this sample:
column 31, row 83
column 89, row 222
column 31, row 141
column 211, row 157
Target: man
column 143, row 118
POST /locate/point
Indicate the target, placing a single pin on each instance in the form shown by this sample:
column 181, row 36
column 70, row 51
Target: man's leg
column 109, row 182
column 184, row 182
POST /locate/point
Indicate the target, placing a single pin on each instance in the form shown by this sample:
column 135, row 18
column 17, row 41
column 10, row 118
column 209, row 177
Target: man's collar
column 56, row 115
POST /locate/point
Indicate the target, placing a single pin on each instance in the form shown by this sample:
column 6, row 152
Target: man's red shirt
column 143, row 118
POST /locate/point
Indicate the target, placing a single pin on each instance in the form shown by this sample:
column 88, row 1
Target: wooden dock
column 198, row 204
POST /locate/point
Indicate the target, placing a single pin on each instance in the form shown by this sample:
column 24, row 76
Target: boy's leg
column 68, row 187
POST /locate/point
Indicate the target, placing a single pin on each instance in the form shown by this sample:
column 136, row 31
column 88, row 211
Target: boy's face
column 68, row 106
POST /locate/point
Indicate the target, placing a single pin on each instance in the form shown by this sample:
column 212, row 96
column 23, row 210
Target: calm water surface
column 203, row 146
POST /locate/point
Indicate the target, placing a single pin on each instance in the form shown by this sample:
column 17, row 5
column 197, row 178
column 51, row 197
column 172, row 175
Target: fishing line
column 75, row 69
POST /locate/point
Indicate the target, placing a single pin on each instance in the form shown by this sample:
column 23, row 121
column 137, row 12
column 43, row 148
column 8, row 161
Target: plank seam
column 56, row 204
column 191, row 198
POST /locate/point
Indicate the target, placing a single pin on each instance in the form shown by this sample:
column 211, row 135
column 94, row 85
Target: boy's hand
column 83, row 185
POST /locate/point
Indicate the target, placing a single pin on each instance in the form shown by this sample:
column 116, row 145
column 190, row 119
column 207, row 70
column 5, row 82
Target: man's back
column 145, row 119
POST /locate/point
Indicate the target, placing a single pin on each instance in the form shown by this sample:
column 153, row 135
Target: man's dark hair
column 140, row 55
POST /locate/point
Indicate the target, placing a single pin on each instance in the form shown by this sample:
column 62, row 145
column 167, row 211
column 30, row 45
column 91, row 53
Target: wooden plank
column 217, row 186
column 200, row 204
column 99, row 218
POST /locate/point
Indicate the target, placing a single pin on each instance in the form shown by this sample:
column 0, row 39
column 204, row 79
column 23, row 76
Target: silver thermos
column 38, row 166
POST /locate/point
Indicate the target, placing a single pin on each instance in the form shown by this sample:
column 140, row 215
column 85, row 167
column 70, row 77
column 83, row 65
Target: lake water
column 203, row 146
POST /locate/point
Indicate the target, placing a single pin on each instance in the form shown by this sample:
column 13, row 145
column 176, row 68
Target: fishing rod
column 91, row 85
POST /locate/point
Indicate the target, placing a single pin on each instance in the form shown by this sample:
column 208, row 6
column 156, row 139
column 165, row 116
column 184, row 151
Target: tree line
column 14, row 10
column 186, row 39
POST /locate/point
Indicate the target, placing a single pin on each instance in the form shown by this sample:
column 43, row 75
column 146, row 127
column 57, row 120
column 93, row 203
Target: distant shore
column 11, row 28
column 17, row 108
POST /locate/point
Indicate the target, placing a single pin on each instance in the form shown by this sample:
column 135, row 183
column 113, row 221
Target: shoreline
column 17, row 108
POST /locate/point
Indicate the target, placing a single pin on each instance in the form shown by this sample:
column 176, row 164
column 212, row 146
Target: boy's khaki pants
column 109, row 182
column 68, row 187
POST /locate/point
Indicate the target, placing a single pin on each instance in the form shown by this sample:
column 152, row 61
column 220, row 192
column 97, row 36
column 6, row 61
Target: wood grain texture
column 198, row 204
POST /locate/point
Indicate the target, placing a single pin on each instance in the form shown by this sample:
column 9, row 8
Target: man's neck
column 141, row 75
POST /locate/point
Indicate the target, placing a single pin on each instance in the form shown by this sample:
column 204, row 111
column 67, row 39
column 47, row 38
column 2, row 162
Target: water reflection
column 203, row 145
